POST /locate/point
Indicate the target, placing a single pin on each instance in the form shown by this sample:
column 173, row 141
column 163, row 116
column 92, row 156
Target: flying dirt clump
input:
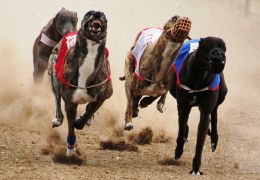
column 118, row 145
column 119, row 142
column 169, row 161
column 161, row 137
column 145, row 136
column 57, row 148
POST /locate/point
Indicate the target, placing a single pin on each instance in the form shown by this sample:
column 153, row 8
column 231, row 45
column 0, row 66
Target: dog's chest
column 86, row 69
column 88, row 64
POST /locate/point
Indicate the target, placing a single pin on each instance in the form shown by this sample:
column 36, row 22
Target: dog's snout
column 68, row 27
column 97, row 14
column 218, row 55
column 217, row 60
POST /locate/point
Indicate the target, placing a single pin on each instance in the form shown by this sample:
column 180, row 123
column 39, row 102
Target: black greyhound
column 199, row 81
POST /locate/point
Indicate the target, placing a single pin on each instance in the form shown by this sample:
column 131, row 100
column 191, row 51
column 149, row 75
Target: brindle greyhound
column 155, row 66
column 199, row 81
column 64, row 22
column 86, row 73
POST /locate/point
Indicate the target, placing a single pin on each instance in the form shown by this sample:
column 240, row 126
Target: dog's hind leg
column 135, row 110
column 91, row 108
column 71, row 111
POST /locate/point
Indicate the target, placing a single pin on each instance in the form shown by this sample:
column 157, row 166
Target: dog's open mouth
column 96, row 26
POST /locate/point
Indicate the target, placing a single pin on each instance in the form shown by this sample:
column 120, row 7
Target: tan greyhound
column 148, row 65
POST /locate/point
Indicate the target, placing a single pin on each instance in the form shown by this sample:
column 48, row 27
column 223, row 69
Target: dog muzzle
column 181, row 30
column 217, row 60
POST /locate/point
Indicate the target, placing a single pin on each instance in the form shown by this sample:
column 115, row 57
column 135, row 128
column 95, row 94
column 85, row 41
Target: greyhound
column 80, row 73
column 148, row 65
column 64, row 22
column 199, row 81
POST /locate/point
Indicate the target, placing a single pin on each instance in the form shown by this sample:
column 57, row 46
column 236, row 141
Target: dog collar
column 47, row 41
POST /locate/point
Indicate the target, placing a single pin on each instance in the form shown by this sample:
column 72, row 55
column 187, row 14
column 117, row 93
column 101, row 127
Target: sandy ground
column 26, row 111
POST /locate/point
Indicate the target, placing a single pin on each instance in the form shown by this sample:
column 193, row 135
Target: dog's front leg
column 183, row 113
column 129, row 109
column 71, row 111
column 214, row 129
column 130, row 85
column 91, row 108
column 136, row 99
column 202, row 131
column 56, row 91
column 207, row 102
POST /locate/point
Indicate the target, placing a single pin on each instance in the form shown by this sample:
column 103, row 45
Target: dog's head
column 212, row 50
column 94, row 26
column 65, row 21
column 178, row 28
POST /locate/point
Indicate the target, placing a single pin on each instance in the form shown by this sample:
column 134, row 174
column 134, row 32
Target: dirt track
column 26, row 111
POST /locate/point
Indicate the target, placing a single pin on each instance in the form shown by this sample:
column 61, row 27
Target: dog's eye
column 74, row 22
column 174, row 18
column 62, row 20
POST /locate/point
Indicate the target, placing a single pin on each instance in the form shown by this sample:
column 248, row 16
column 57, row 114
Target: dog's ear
column 201, row 44
column 61, row 10
column 223, row 45
column 75, row 15
column 167, row 25
column 55, row 18
column 201, row 40
column 170, row 22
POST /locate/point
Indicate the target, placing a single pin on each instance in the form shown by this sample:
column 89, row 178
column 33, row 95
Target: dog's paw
column 213, row 147
column 56, row 123
column 214, row 141
column 160, row 107
column 70, row 151
column 178, row 152
column 196, row 173
column 129, row 126
column 79, row 124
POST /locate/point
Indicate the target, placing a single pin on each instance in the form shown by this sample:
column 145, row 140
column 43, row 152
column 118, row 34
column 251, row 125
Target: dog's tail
column 122, row 78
